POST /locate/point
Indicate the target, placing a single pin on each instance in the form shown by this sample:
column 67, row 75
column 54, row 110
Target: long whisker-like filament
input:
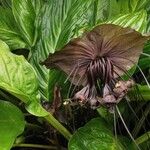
column 118, row 111
column 70, row 74
column 79, row 80
column 77, row 84
column 127, row 100
column 72, row 81
column 143, row 76
column 145, row 54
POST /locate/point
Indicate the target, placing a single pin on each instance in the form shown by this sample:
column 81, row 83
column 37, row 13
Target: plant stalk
column 58, row 126
column 143, row 138
column 36, row 146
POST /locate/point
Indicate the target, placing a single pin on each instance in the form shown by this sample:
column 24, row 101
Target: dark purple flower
column 97, row 60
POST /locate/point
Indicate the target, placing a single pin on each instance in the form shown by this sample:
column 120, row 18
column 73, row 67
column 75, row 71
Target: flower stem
column 36, row 146
column 143, row 138
column 57, row 125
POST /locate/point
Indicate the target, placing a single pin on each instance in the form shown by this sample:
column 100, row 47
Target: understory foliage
column 36, row 109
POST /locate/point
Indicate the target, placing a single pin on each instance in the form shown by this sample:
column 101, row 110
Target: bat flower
column 97, row 60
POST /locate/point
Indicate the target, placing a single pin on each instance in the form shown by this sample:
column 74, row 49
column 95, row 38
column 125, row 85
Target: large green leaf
column 18, row 77
column 8, row 30
column 95, row 135
column 57, row 24
column 102, row 10
column 144, row 90
column 137, row 21
column 144, row 63
column 129, row 6
column 5, row 3
column 25, row 15
column 12, row 124
column 137, row 5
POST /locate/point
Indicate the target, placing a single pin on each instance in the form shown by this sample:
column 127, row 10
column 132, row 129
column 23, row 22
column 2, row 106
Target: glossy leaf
column 102, row 10
column 12, row 124
column 5, row 3
column 129, row 6
column 8, row 30
column 137, row 5
column 25, row 15
column 137, row 21
column 144, row 90
column 18, row 77
column 36, row 109
column 95, row 135
column 144, row 63
column 105, row 114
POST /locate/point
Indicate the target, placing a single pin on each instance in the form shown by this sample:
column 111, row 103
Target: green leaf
column 101, row 10
column 8, row 30
column 144, row 90
column 25, row 15
column 36, row 109
column 95, row 135
column 105, row 114
column 5, row 3
column 124, row 6
column 129, row 6
column 145, row 58
column 12, row 124
column 137, row 5
column 147, row 48
column 19, row 78
column 57, row 24
column 144, row 63
column 143, row 139
column 59, row 19
column 137, row 21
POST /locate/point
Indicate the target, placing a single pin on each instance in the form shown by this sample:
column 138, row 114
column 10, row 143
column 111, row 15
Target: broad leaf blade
column 129, row 6
column 58, row 20
column 144, row 90
column 137, row 21
column 101, row 10
column 8, row 31
column 12, row 124
column 5, row 3
column 95, row 135
column 25, row 15
column 18, row 77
